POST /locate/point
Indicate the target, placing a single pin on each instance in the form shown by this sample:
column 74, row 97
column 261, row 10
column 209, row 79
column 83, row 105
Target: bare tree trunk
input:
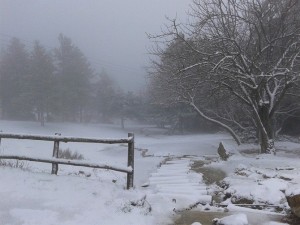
column 180, row 124
column 266, row 136
column 122, row 122
column 42, row 116
column 263, row 140
column 80, row 115
column 42, row 119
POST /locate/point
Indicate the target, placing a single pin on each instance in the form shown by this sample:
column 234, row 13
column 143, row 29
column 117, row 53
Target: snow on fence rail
column 55, row 160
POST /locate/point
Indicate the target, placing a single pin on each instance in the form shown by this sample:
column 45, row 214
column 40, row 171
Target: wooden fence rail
column 56, row 161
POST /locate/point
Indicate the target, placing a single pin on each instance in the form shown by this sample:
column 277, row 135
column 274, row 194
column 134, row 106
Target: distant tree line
column 235, row 65
column 58, row 85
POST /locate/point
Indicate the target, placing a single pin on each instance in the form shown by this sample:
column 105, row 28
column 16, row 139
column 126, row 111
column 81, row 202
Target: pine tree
column 14, row 70
column 41, row 81
column 73, row 74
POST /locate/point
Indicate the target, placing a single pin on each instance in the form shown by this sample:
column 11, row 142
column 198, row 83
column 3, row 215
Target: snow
column 164, row 182
column 293, row 190
column 64, row 200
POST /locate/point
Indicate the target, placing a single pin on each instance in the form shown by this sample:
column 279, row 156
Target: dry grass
column 14, row 164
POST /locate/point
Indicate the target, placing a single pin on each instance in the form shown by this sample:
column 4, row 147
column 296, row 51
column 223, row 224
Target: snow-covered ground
column 164, row 182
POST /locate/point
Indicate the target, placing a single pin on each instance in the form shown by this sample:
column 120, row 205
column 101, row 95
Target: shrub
column 68, row 154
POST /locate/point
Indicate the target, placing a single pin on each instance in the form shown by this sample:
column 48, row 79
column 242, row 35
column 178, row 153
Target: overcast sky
column 111, row 33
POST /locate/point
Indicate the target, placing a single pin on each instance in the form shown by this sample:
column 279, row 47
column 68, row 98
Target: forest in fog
column 59, row 85
column 233, row 66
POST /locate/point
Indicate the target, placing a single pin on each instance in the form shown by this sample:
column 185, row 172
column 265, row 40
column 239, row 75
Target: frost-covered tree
column 244, row 51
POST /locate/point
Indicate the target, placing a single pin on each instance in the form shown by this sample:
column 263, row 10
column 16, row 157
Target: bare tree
column 244, row 50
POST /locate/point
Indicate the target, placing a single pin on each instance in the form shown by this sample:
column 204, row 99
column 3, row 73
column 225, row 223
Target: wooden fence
column 55, row 160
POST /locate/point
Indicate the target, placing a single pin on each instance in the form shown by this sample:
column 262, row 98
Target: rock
column 294, row 203
column 241, row 200
column 145, row 184
column 196, row 223
column 223, row 153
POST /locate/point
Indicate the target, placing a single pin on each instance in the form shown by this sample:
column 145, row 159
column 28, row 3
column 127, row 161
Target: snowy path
column 175, row 182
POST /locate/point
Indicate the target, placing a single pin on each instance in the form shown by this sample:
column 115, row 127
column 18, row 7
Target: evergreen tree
column 106, row 96
column 41, row 81
column 14, row 70
column 73, row 74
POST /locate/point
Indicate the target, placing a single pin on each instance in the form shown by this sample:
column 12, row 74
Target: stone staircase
column 175, row 182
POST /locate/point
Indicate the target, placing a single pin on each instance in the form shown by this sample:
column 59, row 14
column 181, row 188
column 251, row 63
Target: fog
column 112, row 34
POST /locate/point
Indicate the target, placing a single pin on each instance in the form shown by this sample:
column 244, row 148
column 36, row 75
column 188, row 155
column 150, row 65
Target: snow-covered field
column 164, row 183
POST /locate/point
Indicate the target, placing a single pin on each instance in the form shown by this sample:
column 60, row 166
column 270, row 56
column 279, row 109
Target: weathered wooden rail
column 55, row 161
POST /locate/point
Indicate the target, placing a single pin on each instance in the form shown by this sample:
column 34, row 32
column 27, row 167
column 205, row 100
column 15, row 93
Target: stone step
column 183, row 186
column 172, row 170
column 195, row 197
column 178, row 192
column 164, row 178
column 179, row 162
column 169, row 174
column 168, row 182
column 175, row 168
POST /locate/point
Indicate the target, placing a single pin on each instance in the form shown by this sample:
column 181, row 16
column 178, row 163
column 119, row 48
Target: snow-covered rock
column 275, row 223
column 247, row 191
column 237, row 219
column 293, row 198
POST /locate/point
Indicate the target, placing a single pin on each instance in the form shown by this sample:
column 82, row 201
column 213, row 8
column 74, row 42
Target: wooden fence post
column 130, row 161
column 55, row 154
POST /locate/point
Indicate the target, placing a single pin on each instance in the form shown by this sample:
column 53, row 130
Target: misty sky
column 111, row 33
